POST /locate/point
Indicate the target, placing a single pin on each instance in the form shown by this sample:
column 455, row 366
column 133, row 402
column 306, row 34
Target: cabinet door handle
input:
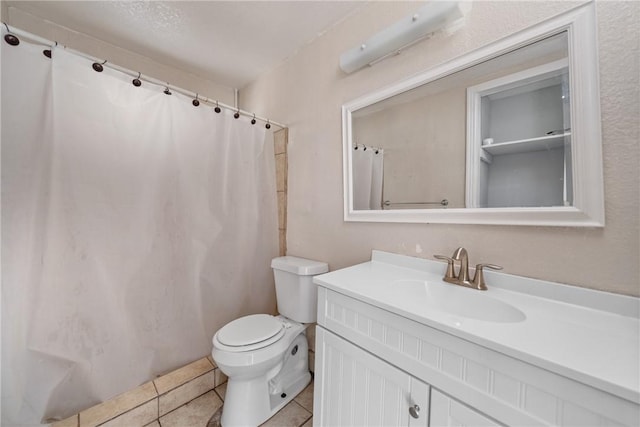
column 414, row 411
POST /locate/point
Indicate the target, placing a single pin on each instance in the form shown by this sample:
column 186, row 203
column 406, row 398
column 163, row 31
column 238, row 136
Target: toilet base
column 251, row 402
column 278, row 402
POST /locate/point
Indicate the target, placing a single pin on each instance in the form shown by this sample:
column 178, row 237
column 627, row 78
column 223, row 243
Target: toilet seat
column 251, row 332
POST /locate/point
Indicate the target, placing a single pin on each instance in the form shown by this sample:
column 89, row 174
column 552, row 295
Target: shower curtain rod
column 137, row 75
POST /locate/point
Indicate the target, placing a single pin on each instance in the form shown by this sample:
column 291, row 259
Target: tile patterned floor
column 297, row 413
column 191, row 396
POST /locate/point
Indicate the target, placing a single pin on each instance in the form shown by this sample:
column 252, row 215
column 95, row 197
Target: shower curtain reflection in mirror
column 134, row 225
column 368, row 166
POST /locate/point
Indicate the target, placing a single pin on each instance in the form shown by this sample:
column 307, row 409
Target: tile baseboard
column 145, row 404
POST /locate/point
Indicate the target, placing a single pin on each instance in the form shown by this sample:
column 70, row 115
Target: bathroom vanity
column 395, row 345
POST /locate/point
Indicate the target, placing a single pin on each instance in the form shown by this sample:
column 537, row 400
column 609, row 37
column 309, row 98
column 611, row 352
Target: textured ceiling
column 229, row 42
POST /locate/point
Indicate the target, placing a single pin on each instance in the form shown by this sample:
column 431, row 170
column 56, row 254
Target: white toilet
column 264, row 356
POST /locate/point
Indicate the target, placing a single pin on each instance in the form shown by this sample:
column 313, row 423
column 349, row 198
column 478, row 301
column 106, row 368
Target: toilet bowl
column 265, row 357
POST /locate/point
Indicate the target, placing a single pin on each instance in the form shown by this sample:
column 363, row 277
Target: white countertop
column 590, row 336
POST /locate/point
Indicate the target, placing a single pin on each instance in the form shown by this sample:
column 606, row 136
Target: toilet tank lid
column 299, row 266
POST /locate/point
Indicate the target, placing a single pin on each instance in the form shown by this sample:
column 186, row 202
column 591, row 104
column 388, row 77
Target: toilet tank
column 296, row 293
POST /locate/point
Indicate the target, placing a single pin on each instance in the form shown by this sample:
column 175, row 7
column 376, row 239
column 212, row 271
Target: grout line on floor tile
column 210, row 367
column 186, row 403
column 157, row 401
column 158, row 410
column 192, row 379
column 303, row 408
column 209, row 360
column 122, row 413
column 309, row 414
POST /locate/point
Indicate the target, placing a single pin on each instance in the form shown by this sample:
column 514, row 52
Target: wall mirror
column 506, row 134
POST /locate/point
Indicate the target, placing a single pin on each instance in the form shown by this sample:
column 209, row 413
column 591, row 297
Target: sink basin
column 456, row 300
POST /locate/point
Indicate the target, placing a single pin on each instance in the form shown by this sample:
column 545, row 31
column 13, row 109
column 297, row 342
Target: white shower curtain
column 367, row 174
column 134, row 225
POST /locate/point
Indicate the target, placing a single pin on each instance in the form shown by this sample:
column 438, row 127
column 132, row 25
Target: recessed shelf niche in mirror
column 519, row 136
column 507, row 134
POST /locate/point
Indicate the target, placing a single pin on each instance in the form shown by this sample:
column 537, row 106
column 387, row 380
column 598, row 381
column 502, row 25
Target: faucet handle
column 449, row 274
column 478, row 279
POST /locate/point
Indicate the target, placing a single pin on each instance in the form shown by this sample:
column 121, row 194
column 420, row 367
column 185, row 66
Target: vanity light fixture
column 433, row 16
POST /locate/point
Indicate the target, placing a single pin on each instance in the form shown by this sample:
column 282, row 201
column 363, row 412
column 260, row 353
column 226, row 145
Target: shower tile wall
column 280, row 140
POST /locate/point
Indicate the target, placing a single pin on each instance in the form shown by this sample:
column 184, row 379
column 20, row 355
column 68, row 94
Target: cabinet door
column 448, row 412
column 355, row 388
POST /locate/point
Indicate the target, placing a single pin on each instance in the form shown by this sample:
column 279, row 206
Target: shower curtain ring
column 136, row 82
column 98, row 67
column 47, row 52
column 195, row 102
column 217, row 109
column 166, row 90
column 253, row 120
column 236, row 114
column 10, row 38
column 268, row 125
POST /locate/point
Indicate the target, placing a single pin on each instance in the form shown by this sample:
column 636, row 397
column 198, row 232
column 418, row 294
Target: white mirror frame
column 588, row 185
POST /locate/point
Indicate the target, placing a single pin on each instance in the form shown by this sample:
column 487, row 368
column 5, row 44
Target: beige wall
column 308, row 90
column 137, row 61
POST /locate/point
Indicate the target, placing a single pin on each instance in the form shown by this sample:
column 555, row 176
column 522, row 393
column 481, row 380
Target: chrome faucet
column 462, row 278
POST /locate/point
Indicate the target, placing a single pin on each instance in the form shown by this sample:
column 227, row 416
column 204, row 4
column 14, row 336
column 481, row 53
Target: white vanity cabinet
column 374, row 365
column 355, row 388
column 360, row 389
column 448, row 412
